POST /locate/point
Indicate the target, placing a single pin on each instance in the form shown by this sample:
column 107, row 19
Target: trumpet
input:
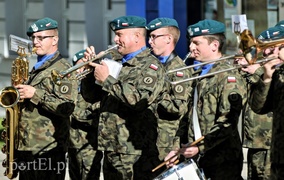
column 252, row 51
column 58, row 76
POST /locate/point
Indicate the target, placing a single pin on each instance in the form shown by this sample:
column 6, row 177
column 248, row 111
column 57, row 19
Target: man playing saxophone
column 46, row 109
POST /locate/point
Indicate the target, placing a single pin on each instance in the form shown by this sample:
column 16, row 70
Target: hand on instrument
column 80, row 70
column 251, row 68
column 173, row 157
column 269, row 69
column 26, row 91
column 101, row 71
column 89, row 53
column 188, row 152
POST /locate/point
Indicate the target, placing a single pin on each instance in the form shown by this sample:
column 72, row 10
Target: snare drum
column 187, row 170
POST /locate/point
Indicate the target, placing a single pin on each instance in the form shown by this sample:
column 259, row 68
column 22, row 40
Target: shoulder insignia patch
column 231, row 79
column 154, row 67
column 148, row 80
column 179, row 88
column 179, row 74
column 65, row 88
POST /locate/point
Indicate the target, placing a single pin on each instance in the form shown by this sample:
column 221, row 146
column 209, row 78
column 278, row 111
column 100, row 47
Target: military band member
column 84, row 161
column 163, row 35
column 219, row 101
column 126, row 122
column 45, row 112
column 258, row 127
column 266, row 96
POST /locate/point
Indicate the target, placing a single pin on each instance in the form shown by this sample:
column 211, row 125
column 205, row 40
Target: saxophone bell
column 9, row 97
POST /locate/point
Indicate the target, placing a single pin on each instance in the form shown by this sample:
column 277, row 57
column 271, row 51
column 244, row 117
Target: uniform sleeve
column 140, row 90
column 84, row 111
column 232, row 96
column 56, row 99
column 174, row 103
column 260, row 97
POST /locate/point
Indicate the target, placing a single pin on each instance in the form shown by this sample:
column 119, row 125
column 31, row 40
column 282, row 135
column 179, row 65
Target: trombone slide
column 214, row 73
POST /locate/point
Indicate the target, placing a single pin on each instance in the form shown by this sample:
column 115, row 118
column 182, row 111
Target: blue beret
column 280, row 23
column 205, row 27
column 124, row 22
column 272, row 33
column 42, row 25
column 78, row 56
column 161, row 22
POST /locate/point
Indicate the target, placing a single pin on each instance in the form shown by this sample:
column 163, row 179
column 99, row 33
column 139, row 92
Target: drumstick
column 165, row 162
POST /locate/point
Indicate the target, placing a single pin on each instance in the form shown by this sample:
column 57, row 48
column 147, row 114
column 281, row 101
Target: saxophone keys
column 4, row 149
column 4, row 164
column 4, row 135
column 4, row 122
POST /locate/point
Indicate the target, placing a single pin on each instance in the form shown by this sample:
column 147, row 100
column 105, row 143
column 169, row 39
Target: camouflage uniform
column 84, row 160
column 257, row 131
column 172, row 108
column 126, row 122
column 173, row 104
column 220, row 101
column 268, row 97
column 45, row 118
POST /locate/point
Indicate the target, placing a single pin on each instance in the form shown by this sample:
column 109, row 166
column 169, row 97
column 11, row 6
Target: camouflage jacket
column 173, row 105
column 257, row 128
column 82, row 124
column 45, row 118
column 268, row 97
column 220, row 100
column 126, row 122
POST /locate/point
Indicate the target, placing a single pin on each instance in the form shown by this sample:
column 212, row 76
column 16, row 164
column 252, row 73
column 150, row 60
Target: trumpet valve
column 83, row 74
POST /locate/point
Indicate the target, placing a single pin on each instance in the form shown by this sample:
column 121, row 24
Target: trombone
column 58, row 76
column 213, row 73
column 251, row 48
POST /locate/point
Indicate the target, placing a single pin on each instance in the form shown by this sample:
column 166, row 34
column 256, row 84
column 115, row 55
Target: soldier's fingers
column 93, row 64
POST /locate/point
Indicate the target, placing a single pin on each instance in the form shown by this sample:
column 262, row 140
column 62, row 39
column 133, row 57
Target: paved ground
column 2, row 177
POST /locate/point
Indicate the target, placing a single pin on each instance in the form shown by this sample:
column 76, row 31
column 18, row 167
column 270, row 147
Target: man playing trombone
column 217, row 103
column 267, row 95
column 257, row 129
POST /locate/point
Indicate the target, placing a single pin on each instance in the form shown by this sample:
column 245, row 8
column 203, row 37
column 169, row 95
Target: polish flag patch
column 153, row 66
column 231, row 79
column 179, row 74
column 203, row 31
column 124, row 24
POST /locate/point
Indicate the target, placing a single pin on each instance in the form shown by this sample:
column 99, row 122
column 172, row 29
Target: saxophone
column 10, row 100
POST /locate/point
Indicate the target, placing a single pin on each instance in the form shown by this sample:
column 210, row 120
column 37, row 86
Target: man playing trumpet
column 126, row 117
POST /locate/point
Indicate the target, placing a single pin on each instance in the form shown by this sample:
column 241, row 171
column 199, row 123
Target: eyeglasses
column 39, row 38
column 153, row 37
